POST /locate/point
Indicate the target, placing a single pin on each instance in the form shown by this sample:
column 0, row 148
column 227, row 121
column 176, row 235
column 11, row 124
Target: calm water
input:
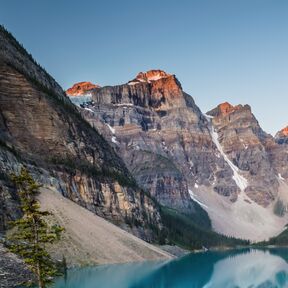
column 233, row 269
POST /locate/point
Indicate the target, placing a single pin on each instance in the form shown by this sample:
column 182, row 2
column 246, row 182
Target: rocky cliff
column 42, row 129
column 282, row 136
column 222, row 161
column 245, row 144
column 160, row 133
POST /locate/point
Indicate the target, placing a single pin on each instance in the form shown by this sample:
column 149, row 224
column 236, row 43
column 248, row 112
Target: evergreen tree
column 31, row 233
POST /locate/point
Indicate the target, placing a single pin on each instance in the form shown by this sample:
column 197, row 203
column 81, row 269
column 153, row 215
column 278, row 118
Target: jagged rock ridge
column 81, row 89
column 42, row 129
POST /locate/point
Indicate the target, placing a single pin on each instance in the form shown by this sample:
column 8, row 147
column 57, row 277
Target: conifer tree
column 31, row 233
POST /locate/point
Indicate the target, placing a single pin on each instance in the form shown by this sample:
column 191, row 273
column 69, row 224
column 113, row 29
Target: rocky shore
column 13, row 271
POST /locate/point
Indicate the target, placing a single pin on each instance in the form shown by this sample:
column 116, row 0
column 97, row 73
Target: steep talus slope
column 98, row 241
column 41, row 128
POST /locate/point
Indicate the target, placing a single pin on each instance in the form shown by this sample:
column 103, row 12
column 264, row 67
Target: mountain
column 146, row 120
column 81, row 89
column 244, row 143
column 141, row 155
column 41, row 129
column 282, row 136
column 221, row 162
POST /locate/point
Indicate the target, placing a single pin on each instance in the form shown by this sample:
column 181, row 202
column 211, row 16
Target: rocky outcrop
column 246, row 145
column 279, row 154
column 13, row 272
column 282, row 136
column 42, row 129
column 149, row 76
column 81, row 89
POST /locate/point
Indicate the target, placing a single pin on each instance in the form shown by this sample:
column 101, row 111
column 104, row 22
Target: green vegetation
column 279, row 208
column 280, row 240
column 31, row 233
column 183, row 231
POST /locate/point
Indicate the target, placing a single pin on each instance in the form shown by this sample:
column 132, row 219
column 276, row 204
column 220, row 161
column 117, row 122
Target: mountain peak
column 149, row 76
column 284, row 131
column 226, row 108
column 81, row 88
column 282, row 136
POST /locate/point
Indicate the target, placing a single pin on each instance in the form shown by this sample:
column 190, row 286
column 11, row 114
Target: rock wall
column 42, row 129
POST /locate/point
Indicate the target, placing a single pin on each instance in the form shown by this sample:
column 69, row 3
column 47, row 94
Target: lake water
column 248, row 268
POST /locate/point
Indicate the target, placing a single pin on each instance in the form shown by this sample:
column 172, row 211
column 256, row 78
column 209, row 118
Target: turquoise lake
column 248, row 268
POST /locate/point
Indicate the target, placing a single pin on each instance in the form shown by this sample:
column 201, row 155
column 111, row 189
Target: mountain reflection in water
column 247, row 268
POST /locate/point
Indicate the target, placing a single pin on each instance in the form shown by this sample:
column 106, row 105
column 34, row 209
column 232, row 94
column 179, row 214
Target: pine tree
column 31, row 233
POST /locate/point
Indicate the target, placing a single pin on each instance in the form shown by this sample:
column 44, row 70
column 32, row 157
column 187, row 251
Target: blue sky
column 220, row 50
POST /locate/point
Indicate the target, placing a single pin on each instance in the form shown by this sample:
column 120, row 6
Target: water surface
column 248, row 268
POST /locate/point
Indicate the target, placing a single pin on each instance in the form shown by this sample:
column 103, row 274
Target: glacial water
column 248, row 268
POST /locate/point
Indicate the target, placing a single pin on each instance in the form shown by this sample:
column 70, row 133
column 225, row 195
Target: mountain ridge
column 159, row 112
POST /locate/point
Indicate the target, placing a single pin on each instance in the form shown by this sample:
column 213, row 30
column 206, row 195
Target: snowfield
column 244, row 218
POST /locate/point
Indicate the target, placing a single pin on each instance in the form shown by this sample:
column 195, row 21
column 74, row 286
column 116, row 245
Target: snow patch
column 80, row 100
column 280, row 177
column 111, row 129
column 88, row 109
column 133, row 83
column 241, row 181
column 124, row 104
column 208, row 116
column 193, row 197
column 114, row 140
column 155, row 78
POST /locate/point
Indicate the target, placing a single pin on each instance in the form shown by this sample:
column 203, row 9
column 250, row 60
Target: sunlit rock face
column 282, row 136
column 161, row 93
column 81, row 89
column 149, row 76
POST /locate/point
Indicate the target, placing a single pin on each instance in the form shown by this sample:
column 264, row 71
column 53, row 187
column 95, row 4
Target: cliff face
column 247, row 146
column 279, row 154
column 163, row 138
column 81, row 89
column 41, row 128
column 222, row 160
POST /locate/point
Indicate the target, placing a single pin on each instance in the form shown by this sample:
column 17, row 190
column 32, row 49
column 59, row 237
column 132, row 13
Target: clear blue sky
column 220, row 50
